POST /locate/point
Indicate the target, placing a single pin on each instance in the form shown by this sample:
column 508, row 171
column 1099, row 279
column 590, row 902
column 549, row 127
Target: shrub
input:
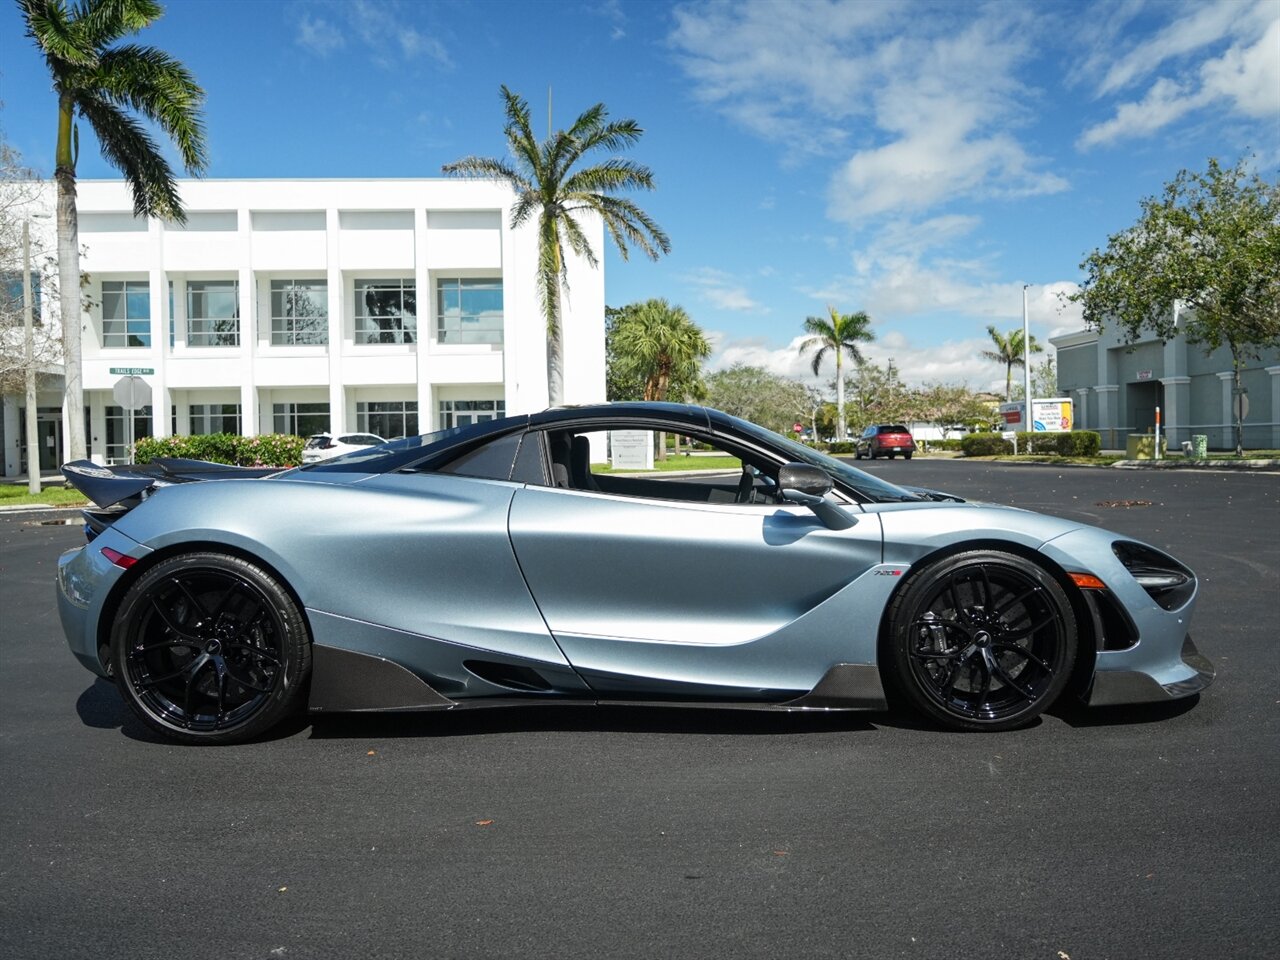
column 270, row 450
column 985, row 445
column 1077, row 443
column 841, row 446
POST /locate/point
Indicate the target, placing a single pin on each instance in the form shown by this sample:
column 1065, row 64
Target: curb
column 1261, row 466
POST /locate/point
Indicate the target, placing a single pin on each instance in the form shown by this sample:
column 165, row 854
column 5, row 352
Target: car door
column 654, row 597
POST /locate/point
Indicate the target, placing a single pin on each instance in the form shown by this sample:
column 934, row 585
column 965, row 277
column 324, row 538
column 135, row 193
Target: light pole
column 1029, row 424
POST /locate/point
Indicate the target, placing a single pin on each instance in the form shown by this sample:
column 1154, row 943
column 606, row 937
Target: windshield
column 864, row 483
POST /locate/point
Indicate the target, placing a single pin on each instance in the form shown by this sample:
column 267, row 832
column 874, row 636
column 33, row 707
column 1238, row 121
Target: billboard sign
column 1052, row 416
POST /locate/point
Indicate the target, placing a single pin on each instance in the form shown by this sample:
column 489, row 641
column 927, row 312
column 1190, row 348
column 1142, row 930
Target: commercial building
column 1117, row 387
column 393, row 307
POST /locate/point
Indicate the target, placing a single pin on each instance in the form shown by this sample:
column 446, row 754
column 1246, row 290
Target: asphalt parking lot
column 578, row 832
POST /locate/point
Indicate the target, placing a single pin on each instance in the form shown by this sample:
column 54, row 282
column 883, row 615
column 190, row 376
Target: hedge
column 1077, row 443
column 841, row 446
column 269, row 450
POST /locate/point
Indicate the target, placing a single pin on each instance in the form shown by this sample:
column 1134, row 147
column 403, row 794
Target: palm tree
column 839, row 333
column 1009, row 352
column 110, row 85
column 546, row 184
column 659, row 345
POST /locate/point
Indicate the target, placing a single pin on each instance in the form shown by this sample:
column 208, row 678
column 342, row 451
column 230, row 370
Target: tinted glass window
column 893, row 428
column 529, row 466
column 491, row 461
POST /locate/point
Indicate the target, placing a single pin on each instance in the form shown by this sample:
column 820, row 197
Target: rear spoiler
column 108, row 486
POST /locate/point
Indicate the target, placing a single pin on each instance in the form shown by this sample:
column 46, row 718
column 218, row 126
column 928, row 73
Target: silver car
column 504, row 563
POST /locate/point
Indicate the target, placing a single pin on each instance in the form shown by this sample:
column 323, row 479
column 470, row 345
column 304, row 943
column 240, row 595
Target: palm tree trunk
column 840, row 427
column 555, row 364
column 69, row 287
column 1008, row 382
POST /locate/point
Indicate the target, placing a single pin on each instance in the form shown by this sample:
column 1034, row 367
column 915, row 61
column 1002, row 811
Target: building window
column 119, row 447
column 388, row 418
column 469, row 311
column 386, row 311
column 463, row 413
column 300, row 419
column 213, row 313
column 11, row 294
column 126, row 313
column 206, row 418
column 299, row 312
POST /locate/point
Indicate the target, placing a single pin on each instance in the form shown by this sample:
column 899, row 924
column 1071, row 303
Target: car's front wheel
column 210, row 648
column 982, row 640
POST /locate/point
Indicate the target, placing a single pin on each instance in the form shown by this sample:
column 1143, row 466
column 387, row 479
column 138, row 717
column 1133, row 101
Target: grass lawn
column 54, row 495
column 696, row 462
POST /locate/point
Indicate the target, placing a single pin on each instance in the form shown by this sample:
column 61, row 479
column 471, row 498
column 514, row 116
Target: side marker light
column 118, row 558
column 1087, row 581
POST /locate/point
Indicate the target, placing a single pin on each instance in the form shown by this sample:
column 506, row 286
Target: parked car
column 885, row 440
column 322, row 446
column 491, row 565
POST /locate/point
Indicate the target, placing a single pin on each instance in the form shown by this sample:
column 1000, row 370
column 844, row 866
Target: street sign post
column 132, row 393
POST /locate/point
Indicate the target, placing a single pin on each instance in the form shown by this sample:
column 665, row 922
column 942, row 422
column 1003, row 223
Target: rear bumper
column 1191, row 674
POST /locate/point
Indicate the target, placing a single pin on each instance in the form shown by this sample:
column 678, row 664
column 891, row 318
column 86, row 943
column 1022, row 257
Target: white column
column 12, row 451
column 161, row 418
column 1228, row 440
column 249, row 416
column 426, row 318
column 1177, row 404
column 1107, row 414
column 1082, row 409
column 1275, row 405
column 97, row 439
column 333, row 271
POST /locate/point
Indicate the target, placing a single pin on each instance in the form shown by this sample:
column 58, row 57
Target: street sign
column 133, row 371
column 132, row 393
column 798, row 428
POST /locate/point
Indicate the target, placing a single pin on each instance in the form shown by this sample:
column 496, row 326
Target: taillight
column 119, row 559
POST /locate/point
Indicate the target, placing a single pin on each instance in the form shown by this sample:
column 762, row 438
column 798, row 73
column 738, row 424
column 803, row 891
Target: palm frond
column 105, row 21
column 161, row 89
column 127, row 146
column 63, row 45
column 609, row 177
column 578, row 241
column 626, row 222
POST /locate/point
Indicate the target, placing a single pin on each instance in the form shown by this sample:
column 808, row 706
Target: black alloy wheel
column 209, row 648
column 982, row 640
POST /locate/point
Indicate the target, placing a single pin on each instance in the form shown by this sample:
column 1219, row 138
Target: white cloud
column 935, row 88
column 318, row 35
column 722, row 290
column 1243, row 79
column 383, row 29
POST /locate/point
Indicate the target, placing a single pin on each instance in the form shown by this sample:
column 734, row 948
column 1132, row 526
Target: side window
column 529, row 466
column 492, row 461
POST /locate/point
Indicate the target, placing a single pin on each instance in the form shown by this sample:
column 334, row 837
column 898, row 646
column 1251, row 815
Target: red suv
column 884, row 440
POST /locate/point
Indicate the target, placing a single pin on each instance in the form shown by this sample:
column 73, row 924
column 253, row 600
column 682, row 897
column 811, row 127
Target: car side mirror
column 809, row 485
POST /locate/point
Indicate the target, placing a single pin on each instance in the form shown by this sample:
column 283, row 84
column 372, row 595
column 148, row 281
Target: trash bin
column 1200, row 446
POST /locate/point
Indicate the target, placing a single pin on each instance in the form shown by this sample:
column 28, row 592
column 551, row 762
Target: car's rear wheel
column 907, row 456
column 982, row 640
column 210, row 648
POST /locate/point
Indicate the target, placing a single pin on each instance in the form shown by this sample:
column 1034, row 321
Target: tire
column 983, row 640
column 210, row 649
column 906, row 456
column 857, row 453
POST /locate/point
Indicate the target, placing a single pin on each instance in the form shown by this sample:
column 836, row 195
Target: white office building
column 393, row 307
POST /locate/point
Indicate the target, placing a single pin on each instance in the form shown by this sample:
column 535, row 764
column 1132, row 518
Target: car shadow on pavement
column 1079, row 715
column 586, row 718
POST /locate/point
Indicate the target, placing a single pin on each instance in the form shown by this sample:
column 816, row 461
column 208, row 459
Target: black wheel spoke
column 1018, row 598
column 192, row 599
column 152, row 681
column 1014, row 684
column 1024, row 652
column 947, row 655
column 1031, row 630
column 257, row 652
column 220, row 685
column 988, row 599
column 221, row 608
column 986, row 685
column 955, row 599
column 935, row 621
column 190, row 692
column 169, row 643
column 171, row 623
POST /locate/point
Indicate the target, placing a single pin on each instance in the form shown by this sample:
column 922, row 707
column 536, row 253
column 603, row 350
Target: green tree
column 755, row 394
column 1203, row 259
column 111, row 85
column 1008, row 350
column 547, row 185
column 837, row 333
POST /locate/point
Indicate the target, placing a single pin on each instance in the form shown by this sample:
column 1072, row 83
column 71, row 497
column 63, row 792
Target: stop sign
column 132, row 393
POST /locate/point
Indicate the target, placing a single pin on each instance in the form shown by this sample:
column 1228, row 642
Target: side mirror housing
column 809, row 485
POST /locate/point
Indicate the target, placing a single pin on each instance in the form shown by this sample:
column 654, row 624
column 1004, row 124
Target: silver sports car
column 502, row 563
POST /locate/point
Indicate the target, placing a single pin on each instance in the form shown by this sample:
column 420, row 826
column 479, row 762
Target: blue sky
column 917, row 160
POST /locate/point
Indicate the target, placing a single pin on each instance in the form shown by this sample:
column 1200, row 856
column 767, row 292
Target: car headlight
column 1168, row 582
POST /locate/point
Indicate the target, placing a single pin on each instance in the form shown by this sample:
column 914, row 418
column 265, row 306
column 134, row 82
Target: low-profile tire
column 982, row 640
column 210, row 648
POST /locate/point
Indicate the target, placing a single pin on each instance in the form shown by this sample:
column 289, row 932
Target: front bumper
column 1114, row 685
